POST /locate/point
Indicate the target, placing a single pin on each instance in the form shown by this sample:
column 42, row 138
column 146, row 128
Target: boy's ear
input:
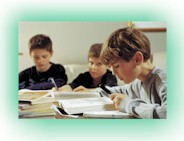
column 51, row 53
column 138, row 57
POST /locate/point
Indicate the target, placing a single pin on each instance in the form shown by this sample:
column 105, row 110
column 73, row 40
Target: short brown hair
column 40, row 41
column 95, row 50
column 123, row 44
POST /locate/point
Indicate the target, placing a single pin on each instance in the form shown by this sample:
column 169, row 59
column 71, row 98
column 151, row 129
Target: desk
column 58, row 116
column 47, row 113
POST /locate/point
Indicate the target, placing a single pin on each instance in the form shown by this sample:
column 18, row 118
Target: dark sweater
column 34, row 80
column 85, row 79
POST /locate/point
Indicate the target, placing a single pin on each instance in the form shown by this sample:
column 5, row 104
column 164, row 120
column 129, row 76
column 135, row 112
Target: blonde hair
column 123, row 44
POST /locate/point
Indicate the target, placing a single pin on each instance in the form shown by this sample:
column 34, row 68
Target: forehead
column 117, row 61
column 40, row 52
column 114, row 61
column 94, row 59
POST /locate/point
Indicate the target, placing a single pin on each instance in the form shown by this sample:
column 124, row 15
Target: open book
column 81, row 105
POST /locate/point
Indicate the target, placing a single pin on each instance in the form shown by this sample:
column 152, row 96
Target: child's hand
column 54, row 89
column 117, row 98
column 65, row 88
column 81, row 89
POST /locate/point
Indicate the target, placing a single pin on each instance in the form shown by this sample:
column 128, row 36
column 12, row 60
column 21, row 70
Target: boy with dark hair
column 38, row 77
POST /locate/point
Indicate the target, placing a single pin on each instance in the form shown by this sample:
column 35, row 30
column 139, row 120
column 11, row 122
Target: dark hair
column 40, row 41
column 95, row 50
column 123, row 44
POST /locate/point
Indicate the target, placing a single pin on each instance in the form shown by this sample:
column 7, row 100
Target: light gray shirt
column 145, row 100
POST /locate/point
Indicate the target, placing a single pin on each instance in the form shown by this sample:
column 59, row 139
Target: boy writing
column 38, row 77
column 127, row 52
column 97, row 75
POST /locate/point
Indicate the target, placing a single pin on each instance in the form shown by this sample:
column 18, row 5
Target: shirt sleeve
column 23, row 79
column 134, row 105
column 77, row 81
column 138, row 107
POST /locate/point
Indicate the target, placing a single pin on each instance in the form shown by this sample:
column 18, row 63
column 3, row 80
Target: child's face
column 125, row 71
column 96, row 68
column 41, row 59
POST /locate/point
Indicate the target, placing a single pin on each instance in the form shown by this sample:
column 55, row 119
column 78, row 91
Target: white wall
column 71, row 40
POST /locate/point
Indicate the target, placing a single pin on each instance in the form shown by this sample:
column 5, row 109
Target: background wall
column 71, row 40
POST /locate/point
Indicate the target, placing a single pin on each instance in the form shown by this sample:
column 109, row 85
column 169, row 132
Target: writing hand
column 65, row 88
column 81, row 89
column 117, row 98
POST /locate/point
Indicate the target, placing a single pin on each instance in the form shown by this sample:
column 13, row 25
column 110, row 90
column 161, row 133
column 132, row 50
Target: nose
column 114, row 72
column 93, row 67
column 40, row 60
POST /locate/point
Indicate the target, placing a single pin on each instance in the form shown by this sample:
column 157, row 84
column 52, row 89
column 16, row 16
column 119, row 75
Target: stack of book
column 48, row 104
column 35, row 104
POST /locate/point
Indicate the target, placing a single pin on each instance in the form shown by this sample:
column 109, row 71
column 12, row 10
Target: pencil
column 52, row 80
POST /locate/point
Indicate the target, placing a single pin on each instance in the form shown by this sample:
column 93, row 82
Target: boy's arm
column 140, row 108
column 42, row 85
column 78, row 81
column 24, row 79
column 125, row 89
column 137, row 107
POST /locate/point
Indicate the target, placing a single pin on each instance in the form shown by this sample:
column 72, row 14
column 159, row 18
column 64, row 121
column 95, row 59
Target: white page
column 75, row 106
column 74, row 95
column 106, row 114
column 28, row 90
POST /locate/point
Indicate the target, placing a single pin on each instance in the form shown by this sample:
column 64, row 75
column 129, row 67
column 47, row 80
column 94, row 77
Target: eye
column 45, row 56
column 35, row 57
column 99, row 64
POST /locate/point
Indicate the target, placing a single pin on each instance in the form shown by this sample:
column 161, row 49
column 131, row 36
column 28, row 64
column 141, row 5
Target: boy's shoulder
column 56, row 65
column 28, row 71
column 32, row 68
column 159, row 72
column 86, row 73
column 157, row 75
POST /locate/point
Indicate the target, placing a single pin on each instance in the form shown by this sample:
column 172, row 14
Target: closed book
column 34, row 96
